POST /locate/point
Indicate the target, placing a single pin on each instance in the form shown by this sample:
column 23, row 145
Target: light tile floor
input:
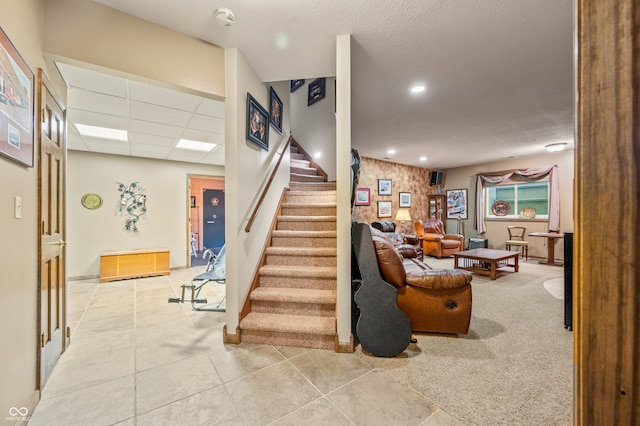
column 136, row 359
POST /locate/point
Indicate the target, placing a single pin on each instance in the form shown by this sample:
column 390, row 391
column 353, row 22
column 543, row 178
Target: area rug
column 514, row 367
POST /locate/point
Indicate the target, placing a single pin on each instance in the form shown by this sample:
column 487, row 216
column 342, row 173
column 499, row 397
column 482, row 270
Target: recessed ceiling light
column 195, row 145
column 391, row 151
column 317, row 155
column 554, row 147
column 423, row 159
column 102, row 132
column 418, row 88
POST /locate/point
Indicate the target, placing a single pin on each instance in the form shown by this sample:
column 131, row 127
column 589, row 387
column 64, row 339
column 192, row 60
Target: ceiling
column 498, row 74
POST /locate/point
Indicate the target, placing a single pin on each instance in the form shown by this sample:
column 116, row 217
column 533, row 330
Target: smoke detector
column 225, row 16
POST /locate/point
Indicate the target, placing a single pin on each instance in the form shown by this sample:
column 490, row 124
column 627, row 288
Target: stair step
column 296, row 156
column 310, row 197
column 298, row 272
column 296, row 177
column 312, row 171
column 289, row 238
column 293, row 149
column 306, row 223
column 294, row 295
column 300, row 162
column 312, row 186
column 302, row 256
column 289, row 324
column 311, row 209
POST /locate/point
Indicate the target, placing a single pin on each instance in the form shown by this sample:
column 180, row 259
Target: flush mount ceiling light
column 423, row 159
column 554, row 147
column 391, row 151
column 102, row 132
column 225, row 16
column 195, row 145
column 418, row 88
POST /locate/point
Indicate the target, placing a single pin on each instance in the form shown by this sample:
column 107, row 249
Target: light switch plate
column 17, row 210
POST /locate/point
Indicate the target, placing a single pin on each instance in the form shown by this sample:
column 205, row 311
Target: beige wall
column 90, row 232
column 247, row 168
column 314, row 127
column 414, row 180
column 21, row 21
column 121, row 42
column 465, row 177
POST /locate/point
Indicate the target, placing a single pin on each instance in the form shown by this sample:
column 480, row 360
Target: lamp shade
column 403, row 215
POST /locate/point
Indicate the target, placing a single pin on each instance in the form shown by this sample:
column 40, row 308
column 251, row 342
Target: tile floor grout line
column 84, row 311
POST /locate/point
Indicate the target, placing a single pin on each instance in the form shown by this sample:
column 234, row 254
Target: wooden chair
column 516, row 239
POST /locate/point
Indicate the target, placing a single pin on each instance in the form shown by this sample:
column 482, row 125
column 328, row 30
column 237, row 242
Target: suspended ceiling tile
column 158, row 114
column 141, row 138
column 215, row 157
column 165, row 97
column 97, row 102
column 207, row 123
column 157, row 129
column 93, row 80
column 197, row 135
column 211, row 108
column 139, row 149
column 96, row 119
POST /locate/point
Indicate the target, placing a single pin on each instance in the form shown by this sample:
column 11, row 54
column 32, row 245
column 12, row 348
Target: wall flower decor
column 133, row 204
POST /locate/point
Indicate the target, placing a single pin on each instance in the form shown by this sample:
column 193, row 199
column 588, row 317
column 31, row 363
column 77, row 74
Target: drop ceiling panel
column 187, row 155
column 207, row 123
column 159, row 114
column 107, row 146
column 211, row 108
column 157, row 129
column 75, row 142
column 97, row 102
column 96, row 119
column 93, row 81
column 139, row 149
column 215, row 157
column 197, row 135
column 164, row 97
column 141, row 138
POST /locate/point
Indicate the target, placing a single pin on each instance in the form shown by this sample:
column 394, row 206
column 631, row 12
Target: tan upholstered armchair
column 435, row 242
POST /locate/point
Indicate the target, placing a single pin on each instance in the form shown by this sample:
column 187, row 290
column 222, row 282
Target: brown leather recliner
column 435, row 242
column 436, row 301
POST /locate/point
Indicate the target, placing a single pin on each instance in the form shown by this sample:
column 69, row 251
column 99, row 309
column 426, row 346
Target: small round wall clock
column 91, row 201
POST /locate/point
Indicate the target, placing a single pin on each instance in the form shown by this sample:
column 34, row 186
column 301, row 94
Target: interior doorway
column 205, row 228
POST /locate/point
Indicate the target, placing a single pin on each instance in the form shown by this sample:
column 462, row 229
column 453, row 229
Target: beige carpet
column 513, row 368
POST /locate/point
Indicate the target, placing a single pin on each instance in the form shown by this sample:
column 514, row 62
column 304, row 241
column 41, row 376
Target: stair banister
column 252, row 218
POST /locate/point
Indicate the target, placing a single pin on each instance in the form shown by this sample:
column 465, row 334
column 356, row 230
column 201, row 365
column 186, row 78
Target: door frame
column 188, row 208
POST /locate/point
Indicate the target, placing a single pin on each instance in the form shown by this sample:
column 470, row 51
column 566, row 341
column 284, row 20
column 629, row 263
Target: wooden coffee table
column 486, row 261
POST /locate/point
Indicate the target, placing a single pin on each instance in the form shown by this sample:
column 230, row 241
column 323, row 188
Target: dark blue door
column 213, row 219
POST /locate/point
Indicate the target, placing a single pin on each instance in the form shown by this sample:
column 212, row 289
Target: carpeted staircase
column 295, row 301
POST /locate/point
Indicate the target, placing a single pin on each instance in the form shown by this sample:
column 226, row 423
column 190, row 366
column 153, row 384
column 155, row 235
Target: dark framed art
column 384, row 208
column 257, row 123
column 456, row 203
column 384, row 186
column 16, row 104
column 275, row 110
column 296, row 84
column 405, row 199
column 316, row 91
column 363, row 197
column 193, row 201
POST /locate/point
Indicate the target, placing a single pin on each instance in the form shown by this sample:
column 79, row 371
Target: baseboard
column 18, row 415
column 344, row 348
column 233, row 339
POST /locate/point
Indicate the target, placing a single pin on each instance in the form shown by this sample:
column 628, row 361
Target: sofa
column 435, row 241
column 407, row 245
column 436, row 301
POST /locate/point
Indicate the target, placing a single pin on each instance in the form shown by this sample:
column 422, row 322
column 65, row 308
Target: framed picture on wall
column 316, row 91
column 405, row 199
column 193, row 201
column 296, row 84
column 456, row 203
column 257, row 123
column 275, row 111
column 362, row 197
column 384, row 186
column 16, row 105
column 384, row 208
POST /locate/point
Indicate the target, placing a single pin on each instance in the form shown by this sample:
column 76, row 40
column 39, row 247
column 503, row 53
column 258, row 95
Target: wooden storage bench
column 120, row 265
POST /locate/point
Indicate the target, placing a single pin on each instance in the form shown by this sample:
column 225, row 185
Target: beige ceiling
column 498, row 72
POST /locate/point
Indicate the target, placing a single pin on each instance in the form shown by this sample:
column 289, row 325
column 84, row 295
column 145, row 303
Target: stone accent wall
column 403, row 179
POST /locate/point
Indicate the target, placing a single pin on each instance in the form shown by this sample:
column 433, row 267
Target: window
column 517, row 201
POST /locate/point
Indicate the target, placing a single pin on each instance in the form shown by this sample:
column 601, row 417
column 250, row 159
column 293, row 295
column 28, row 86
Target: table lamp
column 403, row 216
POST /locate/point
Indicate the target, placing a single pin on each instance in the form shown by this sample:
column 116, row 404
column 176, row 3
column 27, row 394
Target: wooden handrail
column 266, row 187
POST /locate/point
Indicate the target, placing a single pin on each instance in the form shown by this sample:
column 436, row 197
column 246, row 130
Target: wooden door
column 50, row 135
